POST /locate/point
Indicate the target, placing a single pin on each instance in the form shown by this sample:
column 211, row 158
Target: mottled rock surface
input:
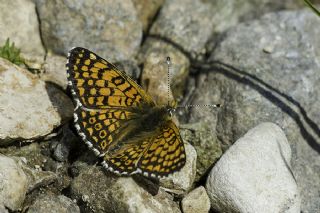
column 271, row 74
column 254, row 174
column 13, row 183
column 196, row 201
column 19, row 23
column 29, row 107
column 109, row 28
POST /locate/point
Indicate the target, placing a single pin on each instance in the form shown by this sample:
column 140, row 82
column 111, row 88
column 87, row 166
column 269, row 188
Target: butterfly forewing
column 98, row 84
column 109, row 107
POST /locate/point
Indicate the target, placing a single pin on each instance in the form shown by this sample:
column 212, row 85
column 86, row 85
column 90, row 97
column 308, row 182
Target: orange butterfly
column 119, row 121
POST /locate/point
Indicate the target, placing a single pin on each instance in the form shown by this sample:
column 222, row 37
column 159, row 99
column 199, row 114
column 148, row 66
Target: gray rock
column 13, row 184
column 109, row 28
column 254, row 174
column 29, row 107
column 19, row 22
column 130, row 68
column 180, row 182
column 185, row 22
column 154, row 77
column 276, row 79
column 55, row 70
column 53, row 204
column 196, row 201
column 146, row 10
column 205, row 141
column 101, row 192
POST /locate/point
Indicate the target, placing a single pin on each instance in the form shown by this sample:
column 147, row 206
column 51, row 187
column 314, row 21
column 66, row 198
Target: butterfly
column 119, row 121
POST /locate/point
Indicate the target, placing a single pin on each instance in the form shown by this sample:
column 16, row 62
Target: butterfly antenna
column 168, row 80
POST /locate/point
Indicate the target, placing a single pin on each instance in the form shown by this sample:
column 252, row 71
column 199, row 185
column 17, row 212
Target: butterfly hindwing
column 100, row 128
column 158, row 155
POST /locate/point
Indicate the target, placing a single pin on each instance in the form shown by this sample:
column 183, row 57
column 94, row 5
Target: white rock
column 254, row 174
column 13, row 183
column 19, row 22
column 180, row 182
column 29, row 107
column 196, row 201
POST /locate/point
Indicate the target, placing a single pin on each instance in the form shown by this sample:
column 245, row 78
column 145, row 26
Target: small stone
column 196, row 201
column 54, row 204
column 13, row 183
column 254, row 174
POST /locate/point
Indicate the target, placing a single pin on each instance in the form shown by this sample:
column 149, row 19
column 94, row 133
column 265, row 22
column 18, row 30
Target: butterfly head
column 171, row 107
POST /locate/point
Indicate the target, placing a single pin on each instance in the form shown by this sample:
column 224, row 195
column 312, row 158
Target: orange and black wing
column 97, row 84
column 156, row 156
column 104, row 97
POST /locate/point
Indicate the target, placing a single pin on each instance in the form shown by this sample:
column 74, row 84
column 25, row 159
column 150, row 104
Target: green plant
column 11, row 53
column 315, row 10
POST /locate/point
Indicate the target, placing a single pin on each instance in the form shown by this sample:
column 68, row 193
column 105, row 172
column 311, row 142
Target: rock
column 181, row 181
column 55, row 70
column 205, row 141
column 254, row 174
column 103, row 192
column 187, row 23
column 61, row 148
column 19, row 23
column 196, row 201
column 13, row 184
column 53, row 204
column 270, row 87
column 111, row 29
column 154, row 77
column 29, row 107
column 146, row 10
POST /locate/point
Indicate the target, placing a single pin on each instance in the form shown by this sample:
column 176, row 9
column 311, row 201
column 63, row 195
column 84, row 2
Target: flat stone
column 29, row 107
column 254, row 174
column 110, row 29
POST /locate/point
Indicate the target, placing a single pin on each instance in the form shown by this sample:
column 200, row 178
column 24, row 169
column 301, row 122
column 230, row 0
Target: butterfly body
column 119, row 121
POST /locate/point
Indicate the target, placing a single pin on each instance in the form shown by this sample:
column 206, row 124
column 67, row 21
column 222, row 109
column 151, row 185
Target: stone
column 206, row 144
column 19, row 23
column 29, row 107
column 54, row 70
column 146, row 11
column 180, row 21
column 256, row 87
column 180, row 182
column 196, row 201
column 109, row 193
column 254, row 174
column 53, row 204
column 110, row 29
column 13, row 184
column 154, row 76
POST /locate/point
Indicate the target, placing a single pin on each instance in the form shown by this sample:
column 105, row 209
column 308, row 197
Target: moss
column 11, row 53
